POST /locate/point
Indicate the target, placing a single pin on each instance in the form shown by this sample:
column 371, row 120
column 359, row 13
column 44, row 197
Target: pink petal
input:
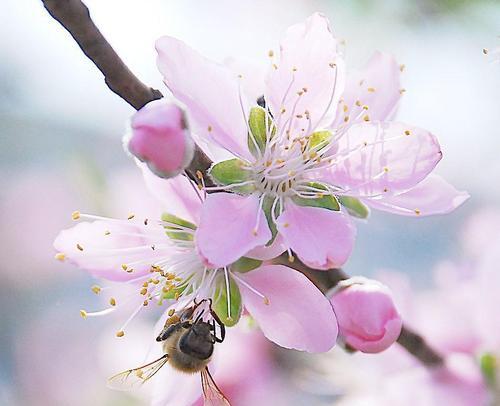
column 377, row 86
column 103, row 255
column 266, row 253
column 174, row 388
column 228, row 228
column 298, row 315
column 176, row 195
column 432, row 196
column 306, row 55
column 321, row 238
column 376, row 159
column 210, row 92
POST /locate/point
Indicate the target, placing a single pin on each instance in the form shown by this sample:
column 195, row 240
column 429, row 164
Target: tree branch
column 74, row 16
column 412, row 342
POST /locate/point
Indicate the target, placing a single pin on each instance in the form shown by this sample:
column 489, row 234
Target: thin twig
column 74, row 16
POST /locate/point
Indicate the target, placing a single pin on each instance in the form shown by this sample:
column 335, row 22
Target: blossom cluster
column 292, row 171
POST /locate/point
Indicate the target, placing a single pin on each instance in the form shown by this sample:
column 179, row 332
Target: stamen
column 264, row 298
column 75, row 215
column 228, row 294
column 60, row 256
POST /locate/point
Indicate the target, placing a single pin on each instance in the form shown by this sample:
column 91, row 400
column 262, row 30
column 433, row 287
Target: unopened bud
column 160, row 138
column 367, row 316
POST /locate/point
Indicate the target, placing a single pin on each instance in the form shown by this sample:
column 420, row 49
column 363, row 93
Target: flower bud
column 160, row 138
column 367, row 316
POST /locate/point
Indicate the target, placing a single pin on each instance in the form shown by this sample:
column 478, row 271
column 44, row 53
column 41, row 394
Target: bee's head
column 198, row 340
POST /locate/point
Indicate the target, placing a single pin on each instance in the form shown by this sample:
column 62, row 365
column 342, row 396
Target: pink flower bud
column 367, row 317
column 160, row 138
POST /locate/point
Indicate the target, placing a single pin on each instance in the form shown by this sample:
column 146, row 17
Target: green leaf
column 488, row 364
column 177, row 233
column 245, row 264
column 231, row 172
column 220, row 305
column 319, row 139
column 355, row 207
column 325, row 201
column 257, row 124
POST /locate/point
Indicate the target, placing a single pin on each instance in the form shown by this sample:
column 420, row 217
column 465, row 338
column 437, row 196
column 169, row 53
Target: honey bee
column 188, row 343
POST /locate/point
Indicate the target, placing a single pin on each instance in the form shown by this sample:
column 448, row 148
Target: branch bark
column 74, row 16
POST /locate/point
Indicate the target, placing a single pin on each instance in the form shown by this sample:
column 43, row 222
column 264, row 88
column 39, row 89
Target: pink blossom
column 159, row 138
column 159, row 258
column 366, row 313
column 322, row 147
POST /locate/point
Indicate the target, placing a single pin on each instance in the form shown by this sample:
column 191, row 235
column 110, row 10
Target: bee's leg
column 221, row 325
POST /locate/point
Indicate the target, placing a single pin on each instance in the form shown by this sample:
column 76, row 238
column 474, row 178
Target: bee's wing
column 133, row 378
column 212, row 395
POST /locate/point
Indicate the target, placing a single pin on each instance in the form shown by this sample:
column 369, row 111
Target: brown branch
column 412, row 342
column 74, row 16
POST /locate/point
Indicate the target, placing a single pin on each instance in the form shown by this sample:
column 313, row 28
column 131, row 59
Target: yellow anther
column 171, row 312
column 75, row 215
column 386, row 169
column 145, row 303
column 365, row 107
column 365, row 143
column 144, row 291
column 371, row 89
column 254, row 232
column 346, row 109
column 60, row 256
column 286, row 225
column 139, row 373
column 402, row 67
column 401, row 91
column 366, row 117
column 300, row 93
column 124, row 267
column 209, row 128
column 177, row 295
column 83, row 313
column 107, row 232
column 96, row 289
column 112, row 301
column 294, row 69
column 275, row 66
column 407, row 132
column 79, row 247
column 282, row 110
column 145, row 284
column 130, row 216
column 291, row 258
column 358, row 103
column 313, row 154
column 270, row 54
column 172, row 320
column 170, row 276
column 156, row 281
column 346, row 119
column 291, row 173
column 417, row 212
column 199, row 175
column 266, row 301
column 120, row 333
column 178, row 279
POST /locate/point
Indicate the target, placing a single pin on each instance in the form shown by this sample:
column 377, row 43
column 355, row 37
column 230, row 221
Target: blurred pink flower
column 321, row 143
column 160, row 138
column 366, row 313
column 279, row 298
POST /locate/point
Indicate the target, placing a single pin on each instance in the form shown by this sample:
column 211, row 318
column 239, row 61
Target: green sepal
column 230, row 172
column 220, row 305
column 245, row 264
column 319, row 139
column 267, row 205
column 257, row 124
column 488, row 363
column 354, row 207
column 326, row 201
column 176, row 233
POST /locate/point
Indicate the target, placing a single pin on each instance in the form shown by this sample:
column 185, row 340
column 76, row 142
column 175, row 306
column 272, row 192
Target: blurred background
column 60, row 150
